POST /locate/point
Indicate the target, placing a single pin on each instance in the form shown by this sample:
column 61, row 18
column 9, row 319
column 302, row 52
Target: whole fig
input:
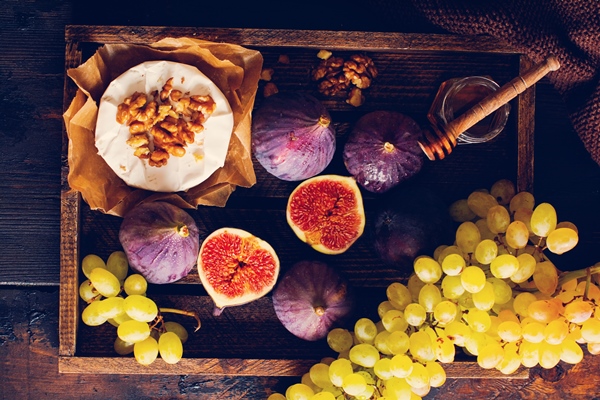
column 292, row 136
column 383, row 150
column 311, row 299
column 161, row 241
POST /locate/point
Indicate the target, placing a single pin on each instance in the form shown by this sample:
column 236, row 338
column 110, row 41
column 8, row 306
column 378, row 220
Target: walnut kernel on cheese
column 163, row 123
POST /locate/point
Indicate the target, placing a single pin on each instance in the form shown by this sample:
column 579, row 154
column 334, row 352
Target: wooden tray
column 249, row 340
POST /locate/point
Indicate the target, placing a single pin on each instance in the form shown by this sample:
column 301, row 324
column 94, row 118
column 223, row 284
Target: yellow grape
column 398, row 342
column 122, row 348
column 414, row 286
column 445, row 312
column 484, row 231
column 382, row 369
column 178, row 329
column 87, row 292
column 305, row 379
column 133, row 331
column 490, row 355
column 549, row 354
column 418, row 377
column 517, row 235
column 481, row 202
column 276, row 396
column 571, row 352
column 529, row 353
column 485, row 298
column 380, row 342
column 527, row 264
column 508, row 315
column 567, row 224
column 543, row 219
column 522, row 200
column 341, row 368
column 510, row 363
column 578, row 311
column 91, row 314
column 438, row 250
column 421, row 346
column 593, row 348
column 453, row 264
column 473, row 279
column 460, row 211
column 498, row 219
column 319, row 375
column 429, row 297
column 111, row 307
column 117, row 264
column 556, row 331
column 504, row 266
column 427, row 269
column 509, row 331
column 457, row 331
column 452, row 287
column 398, row 388
column 444, row 349
column 524, row 215
column 364, row 354
column 561, row 240
column 467, row 237
column 354, row 384
column 91, row 262
column 146, row 351
column 503, row 191
column 105, row 282
column 401, row 365
column 545, row 277
column 119, row 319
column 415, row 314
column 384, row 306
column 365, row 330
column 299, row 391
column 543, row 311
column 170, row 347
column 140, row 308
column 534, row 332
column 135, row 284
column 393, row 320
column 486, row 251
column 478, row 320
column 339, row 340
column 502, row 291
column 590, row 330
column 446, row 251
column 399, row 295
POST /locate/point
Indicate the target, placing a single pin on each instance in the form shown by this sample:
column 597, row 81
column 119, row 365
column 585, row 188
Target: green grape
column 571, row 352
column 399, row 295
column 382, row 369
column 427, row 269
column 445, row 312
column 509, row 331
column 444, row 349
column 453, row 264
column 354, row 384
column 561, row 240
column 545, row 277
column 549, row 354
column 503, row 191
column 383, row 307
column 91, row 314
column 421, row 346
column 91, row 262
column 481, row 202
column 414, row 286
column 498, row 219
column 140, row 308
column 529, row 353
column 133, row 331
column 457, row 331
column 556, row 331
column 117, row 264
column 105, row 282
column 504, row 266
column 339, row 340
column 364, row 354
column 517, row 235
column 111, row 307
column 485, row 298
column 452, row 287
column 401, row 365
column 502, row 291
column 365, row 330
column 418, row 377
column 486, row 251
column 522, row 302
column 393, row 320
column 478, row 320
column 341, row 368
column 87, row 292
column 460, row 212
column 522, row 200
column 526, row 268
column 465, row 301
column 380, row 342
column 590, row 330
column 533, row 332
column 178, row 329
column 135, row 284
column 473, row 279
column 578, row 311
column 429, row 297
column 467, row 237
column 170, row 347
column 146, row 351
column 276, row 396
column 398, row 342
column 123, row 348
column 415, row 314
column 543, row 311
column 543, row 219
column 437, row 374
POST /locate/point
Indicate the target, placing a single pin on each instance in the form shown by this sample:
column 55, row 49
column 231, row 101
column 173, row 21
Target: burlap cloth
column 568, row 29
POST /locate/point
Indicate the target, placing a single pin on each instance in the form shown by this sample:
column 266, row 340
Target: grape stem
column 183, row 312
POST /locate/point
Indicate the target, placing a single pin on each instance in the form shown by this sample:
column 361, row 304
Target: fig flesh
column 236, row 267
column 292, row 136
column 327, row 213
column 409, row 223
column 161, row 241
column 383, row 150
column 311, row 299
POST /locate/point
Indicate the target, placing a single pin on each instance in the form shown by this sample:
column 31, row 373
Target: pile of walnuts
column 335, row 75
column 163, row 123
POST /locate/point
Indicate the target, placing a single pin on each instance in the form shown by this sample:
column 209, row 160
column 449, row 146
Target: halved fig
column 236, row 267
column 327, row 213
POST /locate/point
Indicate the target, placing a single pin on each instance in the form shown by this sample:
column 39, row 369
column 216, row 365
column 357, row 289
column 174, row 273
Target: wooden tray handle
column 438, row 146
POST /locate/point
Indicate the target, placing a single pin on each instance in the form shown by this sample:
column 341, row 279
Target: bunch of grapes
column 113, row 296
column 493, row 294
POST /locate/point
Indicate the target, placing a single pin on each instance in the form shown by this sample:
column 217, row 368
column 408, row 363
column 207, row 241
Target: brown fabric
column 568, row 29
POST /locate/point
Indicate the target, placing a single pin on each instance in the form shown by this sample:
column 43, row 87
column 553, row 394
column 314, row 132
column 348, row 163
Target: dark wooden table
column 32, row 48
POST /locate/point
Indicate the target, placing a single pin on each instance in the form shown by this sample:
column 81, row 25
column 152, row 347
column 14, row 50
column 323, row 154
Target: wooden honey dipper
column 437, row 146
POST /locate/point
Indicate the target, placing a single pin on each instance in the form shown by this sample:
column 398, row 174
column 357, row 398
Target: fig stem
column 183, row 312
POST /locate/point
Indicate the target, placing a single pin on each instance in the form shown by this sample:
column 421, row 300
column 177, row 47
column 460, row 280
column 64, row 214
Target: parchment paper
column 234, row 69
